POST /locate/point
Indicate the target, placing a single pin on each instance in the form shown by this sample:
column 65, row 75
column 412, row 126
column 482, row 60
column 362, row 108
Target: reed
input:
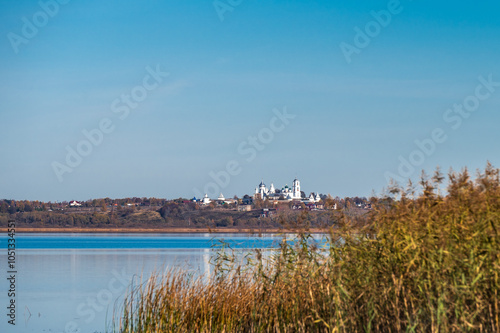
column 420, row 263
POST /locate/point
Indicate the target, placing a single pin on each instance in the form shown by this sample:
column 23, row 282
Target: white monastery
column 286, row 193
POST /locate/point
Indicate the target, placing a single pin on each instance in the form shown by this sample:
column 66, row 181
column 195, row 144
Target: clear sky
column 355, row 84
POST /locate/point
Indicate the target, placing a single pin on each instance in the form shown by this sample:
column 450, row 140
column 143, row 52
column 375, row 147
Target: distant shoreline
column 161, row 230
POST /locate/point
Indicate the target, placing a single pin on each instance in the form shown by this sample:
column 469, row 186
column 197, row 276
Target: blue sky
column 353, row 122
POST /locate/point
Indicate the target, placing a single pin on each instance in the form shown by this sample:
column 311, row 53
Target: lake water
column 71, row 282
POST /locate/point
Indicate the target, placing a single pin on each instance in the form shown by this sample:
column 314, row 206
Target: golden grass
column 428, row 263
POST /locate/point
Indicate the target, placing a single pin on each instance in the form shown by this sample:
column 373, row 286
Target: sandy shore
column 151, row 230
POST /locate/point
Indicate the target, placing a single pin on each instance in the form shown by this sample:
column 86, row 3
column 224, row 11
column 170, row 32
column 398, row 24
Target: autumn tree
column 4, row 208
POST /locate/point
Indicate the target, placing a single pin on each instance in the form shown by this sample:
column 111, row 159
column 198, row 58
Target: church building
column 286, row 193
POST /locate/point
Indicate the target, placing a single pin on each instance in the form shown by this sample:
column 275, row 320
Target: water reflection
column 75, row 289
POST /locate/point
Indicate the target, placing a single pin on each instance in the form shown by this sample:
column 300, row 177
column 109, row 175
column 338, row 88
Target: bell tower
column 296, row 189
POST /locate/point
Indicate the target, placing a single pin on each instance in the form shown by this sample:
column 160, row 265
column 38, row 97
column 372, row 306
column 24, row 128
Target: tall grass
column 421, row 263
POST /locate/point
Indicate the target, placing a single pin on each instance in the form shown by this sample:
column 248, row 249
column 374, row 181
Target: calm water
column 71, row 282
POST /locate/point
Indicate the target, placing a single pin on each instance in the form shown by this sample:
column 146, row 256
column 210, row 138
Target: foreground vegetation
column 426, row 263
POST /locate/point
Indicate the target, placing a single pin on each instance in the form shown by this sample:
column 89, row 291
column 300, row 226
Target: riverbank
column 162, row 230
column 179, row 219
